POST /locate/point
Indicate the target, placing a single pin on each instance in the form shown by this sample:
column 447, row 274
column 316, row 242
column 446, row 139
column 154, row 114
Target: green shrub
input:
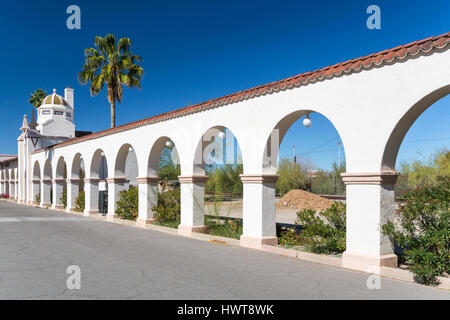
column 38, row 198
column 63, row 197
column 323, row 232
column 290, row 238
column 79, row 202
column 423, row 230
column 167, row 211
column 128, row 204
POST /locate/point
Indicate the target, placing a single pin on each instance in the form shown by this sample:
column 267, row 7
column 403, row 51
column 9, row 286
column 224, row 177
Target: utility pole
column 295, row 157
column 339, row 155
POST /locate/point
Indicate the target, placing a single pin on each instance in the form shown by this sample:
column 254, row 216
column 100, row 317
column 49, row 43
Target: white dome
column 54, row 99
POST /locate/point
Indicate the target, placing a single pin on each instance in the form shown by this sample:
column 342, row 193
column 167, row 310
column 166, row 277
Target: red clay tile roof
column 10, row 158
column 375, row 59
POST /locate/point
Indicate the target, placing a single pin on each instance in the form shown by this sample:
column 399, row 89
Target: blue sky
column 197, row 50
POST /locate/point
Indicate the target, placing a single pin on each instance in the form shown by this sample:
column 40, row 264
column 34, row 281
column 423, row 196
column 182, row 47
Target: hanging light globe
column 221, row 135
column 307, row 121
column 168, row 144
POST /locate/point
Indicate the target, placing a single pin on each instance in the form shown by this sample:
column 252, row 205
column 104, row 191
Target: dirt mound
column 300, row 199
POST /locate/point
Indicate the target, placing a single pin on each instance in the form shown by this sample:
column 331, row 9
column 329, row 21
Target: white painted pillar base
column 58, row 187
column 148, row 197
column 259, row 217
column 192, row 204
column 46, row 186
column 72, row 193
column 91, row 196
column 370, row 204
column 115, row 185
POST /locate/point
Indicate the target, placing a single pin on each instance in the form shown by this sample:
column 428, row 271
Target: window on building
column 45, row 111
column 58, row 113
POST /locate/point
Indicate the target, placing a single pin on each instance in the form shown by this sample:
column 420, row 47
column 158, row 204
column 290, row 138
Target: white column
column 192, row 204
column 46, row 185
column 115, row 185
column 58, row 187
column 148, row 197
column 370, row 204
column 259, row 218
column 72, row 193
column 91, row 196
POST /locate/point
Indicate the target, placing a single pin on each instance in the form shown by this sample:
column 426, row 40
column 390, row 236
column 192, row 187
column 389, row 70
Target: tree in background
column 416, row 173
column 329, row 182
column 225, row 180
column 36, row 98
column 114, row 65
column 167, row 169
column 291, row 176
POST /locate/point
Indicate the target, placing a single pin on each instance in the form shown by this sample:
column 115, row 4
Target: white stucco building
column 372, row 101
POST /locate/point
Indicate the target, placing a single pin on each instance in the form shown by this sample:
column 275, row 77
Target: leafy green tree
column 291, row 176
column 423, row 173
column 329, row 182
column 225, row 180
column 36, row 98
column 422, row 228
column 167, row 169
column 112, row 64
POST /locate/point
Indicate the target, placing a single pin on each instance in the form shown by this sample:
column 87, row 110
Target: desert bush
column 423, row 230
column 63, row 197
column 167, row 211
column 323, row 232
column 290, row 238
column 79, row 202
column 222, row 225
column 128, row 204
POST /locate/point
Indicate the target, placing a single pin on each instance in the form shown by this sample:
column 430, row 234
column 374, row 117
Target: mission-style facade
column 372, row 101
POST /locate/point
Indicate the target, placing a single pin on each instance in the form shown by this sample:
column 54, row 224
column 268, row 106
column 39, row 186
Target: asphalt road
column 124, row 262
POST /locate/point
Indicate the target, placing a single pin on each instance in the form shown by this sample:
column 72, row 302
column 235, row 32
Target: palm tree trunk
column 113, row 113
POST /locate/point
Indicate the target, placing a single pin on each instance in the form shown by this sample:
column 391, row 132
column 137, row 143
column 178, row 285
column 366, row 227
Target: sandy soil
column 233, row 209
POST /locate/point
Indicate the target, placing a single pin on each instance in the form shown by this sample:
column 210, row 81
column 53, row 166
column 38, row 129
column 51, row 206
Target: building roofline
column 376, row 59
column 11, row 159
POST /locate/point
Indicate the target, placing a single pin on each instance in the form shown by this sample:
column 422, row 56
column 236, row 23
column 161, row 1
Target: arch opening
column 418, row 159
column 219, row 200
column 307, row 152
column 36, row 183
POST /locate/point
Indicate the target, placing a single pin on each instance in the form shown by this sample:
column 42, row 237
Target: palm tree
column 111, row 64
column 36, row 97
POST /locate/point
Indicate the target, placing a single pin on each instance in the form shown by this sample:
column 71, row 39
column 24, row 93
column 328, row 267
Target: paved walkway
column 123, row 262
